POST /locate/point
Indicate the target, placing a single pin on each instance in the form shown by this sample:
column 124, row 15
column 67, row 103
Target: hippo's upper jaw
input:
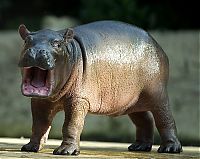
column 37, row 82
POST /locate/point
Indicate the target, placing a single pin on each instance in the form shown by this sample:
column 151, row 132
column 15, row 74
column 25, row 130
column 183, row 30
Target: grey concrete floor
column 10, row 148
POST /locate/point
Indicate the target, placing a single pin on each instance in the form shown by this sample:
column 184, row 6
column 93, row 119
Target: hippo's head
column 44, row 61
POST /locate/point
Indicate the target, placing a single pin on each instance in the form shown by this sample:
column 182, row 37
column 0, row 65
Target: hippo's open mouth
column 37, row 82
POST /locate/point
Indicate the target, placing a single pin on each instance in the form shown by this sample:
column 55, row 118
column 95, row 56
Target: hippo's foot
column 170, row 148
column 66, row 150
column 140, row 146
column 31, row 147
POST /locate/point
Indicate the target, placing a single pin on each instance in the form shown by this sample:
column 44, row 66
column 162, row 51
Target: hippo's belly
column 119, row 63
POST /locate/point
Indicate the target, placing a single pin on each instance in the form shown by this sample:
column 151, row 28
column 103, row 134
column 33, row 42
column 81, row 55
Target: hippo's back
column 118, row 43
column 96, row 32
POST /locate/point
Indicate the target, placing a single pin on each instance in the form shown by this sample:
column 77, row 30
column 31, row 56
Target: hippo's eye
column 28, row 39
column 56, row 43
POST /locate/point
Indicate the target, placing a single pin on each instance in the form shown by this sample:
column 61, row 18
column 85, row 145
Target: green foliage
column 126, row 10
column 146, row 14
column 4, row 4
column 149, row 14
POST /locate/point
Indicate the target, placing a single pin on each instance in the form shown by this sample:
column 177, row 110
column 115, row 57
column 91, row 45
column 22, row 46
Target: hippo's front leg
column 75, row 113
column 43, row 112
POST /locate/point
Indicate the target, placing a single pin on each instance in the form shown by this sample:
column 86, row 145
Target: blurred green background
column 174, row 24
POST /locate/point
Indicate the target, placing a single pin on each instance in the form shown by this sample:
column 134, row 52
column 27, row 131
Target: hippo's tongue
column 38, row 77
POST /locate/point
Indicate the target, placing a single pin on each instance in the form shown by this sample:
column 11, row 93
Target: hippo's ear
column 23, row 31
column 69, row 34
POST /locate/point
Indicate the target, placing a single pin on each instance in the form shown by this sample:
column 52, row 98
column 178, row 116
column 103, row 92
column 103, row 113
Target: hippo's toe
column 30, row 147
column 66, row 150
column 140, row 146
column 170, row 148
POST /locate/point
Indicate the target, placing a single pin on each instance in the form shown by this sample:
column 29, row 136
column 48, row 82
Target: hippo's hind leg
column 42, row 114
column 144, row 131
column 165, row 123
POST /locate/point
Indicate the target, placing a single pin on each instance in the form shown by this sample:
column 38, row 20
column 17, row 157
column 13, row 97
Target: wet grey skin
column 105, row 67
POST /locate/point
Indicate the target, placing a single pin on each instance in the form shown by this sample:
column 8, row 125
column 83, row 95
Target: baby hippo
column 105, row 67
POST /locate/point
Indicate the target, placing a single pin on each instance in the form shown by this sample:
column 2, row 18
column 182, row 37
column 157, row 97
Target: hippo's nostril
column 42, row 52
column 30, row 54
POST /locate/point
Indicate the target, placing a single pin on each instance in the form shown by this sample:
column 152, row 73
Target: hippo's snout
column 41, row 58
column 37, row 72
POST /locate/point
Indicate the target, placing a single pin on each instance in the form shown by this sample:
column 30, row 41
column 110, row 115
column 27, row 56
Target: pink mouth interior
column 36, row 81
column 38, row 77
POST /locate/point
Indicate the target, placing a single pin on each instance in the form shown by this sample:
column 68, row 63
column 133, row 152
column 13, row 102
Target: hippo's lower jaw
column 37, row 82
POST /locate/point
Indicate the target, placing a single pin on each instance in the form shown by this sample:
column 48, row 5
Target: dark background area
column 148, row 14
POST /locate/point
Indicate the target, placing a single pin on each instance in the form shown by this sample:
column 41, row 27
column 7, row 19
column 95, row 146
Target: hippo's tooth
column 31, row 90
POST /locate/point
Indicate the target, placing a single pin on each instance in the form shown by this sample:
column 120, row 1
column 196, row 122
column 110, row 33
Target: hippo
column 106, row 67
